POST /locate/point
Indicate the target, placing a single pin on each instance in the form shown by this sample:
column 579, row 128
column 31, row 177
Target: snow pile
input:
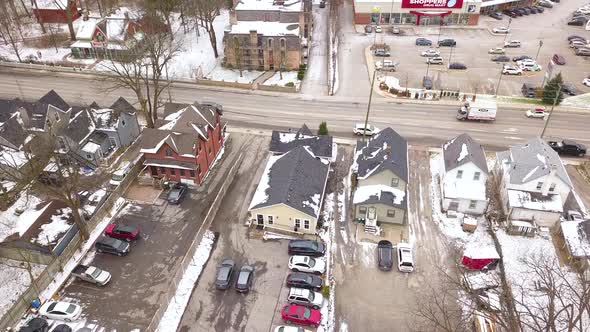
column 260, row 196
column 364, row 193
column 581, row 101
column 288, row 77
column 58, row 225
column 576, row 238
column 328, row 236
column 93, row 201
column 12, row 158
column 276, row 236
column 314, row 204
column 171, row 318
column 233, row 75
column 534, row 201
column 30, row 209
column 14, row 280
column 464, row 152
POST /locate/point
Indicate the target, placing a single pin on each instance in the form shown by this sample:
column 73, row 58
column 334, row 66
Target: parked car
column 111, row 246
column 359, row 129
column 430, row 53
column 304, row 280
column 457, row 65
column 305, row 297
column 368, row 28
column 306, row 248
column 540, row 9
column 501, row 30
column 501, row 58
column 496, row 50
column 35, row 325
column 285, row 328
column 568, row 147
column 520, row 58
column 558, row 59
column 578, row 42
column 122, row 232
column 435, row 60
column 245, row 277
column 386, row 65
column 427, row 82
column 378, row 29
column 528, row 90
column 572, row 37
column 538, row 113
column 526, row 62
column 307, row 264
column 177, row 193
column 526, row 11
column 533, row 9
column 224, row 274
column 405, row 261
column 586, row 82
column 569, row 89
column 92, row 274
column 62, row 328
column 119, row 175
column 576, row 22
column 385, row 255
column 496, row 15
column 395, row 30
column 512, row 43
column 583, row 52
column 574, row 215
column 423, row 42
column 546, row 4
column 511, row 70
column 519, row 11
column 447, row 42
column 322, row 4
column 530, row 67
column 293, row 313
column 381, row 52
column 59, row 310
column 510, row 13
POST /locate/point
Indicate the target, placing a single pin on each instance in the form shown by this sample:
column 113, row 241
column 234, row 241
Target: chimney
column 126, row 14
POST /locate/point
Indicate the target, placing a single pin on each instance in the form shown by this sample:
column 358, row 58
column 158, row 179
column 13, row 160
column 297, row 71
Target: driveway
column 141, row 278
column 316, row 77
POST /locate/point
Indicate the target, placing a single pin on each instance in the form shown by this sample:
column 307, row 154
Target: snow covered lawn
column 328, row 236
column 288, row 77
column 14, row 280
column 29, row 207
column 233, row 75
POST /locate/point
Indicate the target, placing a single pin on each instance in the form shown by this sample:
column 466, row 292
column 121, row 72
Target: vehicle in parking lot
column 386, row 65
column 511, row 70
column 384, row 255
column 122, row 232
column 496, row 50
column 568, row 147
column 528, row 61
column 510, row 13
column 519, row 11
column 119, row 175
column 447, row 42
column 578, row 42
column 112, row 246
column 435, row 60
column 457, row 65
column 569, row 89
column 293, row 313
column 546, row 4
column 307, row 264
column 578, row 21
column 359, row 129
column 501, row 30
column 305, row 297
column 538, row 113
column 528, row 90
column 558, row 59
column 284, row 328
column 586, row 82
column 533, row 9
column 430, row 52
column 496, row 15
column 527, row 66
column 572, row 37
column 60, row 311
column 92, row 274
column 245, row 277
column 378, row 29
column 177, row 193
column 526, row 10
column 35, row 325
column 368, row 28
column 501, row 58
column 405, row 261
column 62, row 328
column 539, row 9
column 224, row 274
column 395, row 30
column 521, row 57
column 427, row 82
column 304, row 280
column 583, row 52
column 381, row 52
column 306, row 248
column 423, row 42
column 512, row 43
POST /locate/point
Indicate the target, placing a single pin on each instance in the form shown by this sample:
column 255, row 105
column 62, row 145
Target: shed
column 54, row 11
column 483, row 257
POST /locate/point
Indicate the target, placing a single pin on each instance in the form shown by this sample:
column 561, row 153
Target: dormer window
column 539, row 185
column 168, row 153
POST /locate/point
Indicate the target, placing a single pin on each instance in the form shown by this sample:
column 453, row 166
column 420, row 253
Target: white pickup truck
column 92, row 274
column 480, row 110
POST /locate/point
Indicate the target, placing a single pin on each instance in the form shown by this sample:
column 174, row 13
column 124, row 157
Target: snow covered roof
column 296, row 179
column 462, row 150
column 52, row 4
column 464, row 188
column 50, row 233
column 265, row 28
column 183, row 144
column 13, row 132
column 270, row 5
column 530, row 161
column 534, row 201
column 91, row 147
column 282, row 142
column 192, row 119
column 385, row 150
column 86, row 28
column 383, row 194
column 479, row 250
column 116, row 29
column 80, row 127
column 12, row 158
column 576, row 237
column 30, row 208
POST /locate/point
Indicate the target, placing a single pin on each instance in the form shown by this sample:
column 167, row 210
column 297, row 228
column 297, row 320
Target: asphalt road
column 420, row 123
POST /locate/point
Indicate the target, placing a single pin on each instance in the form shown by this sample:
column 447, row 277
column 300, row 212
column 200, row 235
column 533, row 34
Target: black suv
column 568, row 147
column 305, row 280
column 112, row 246
column 528, row 90
column 35, row 325
column 307, row 248
column 447, row 42
column 244, row 282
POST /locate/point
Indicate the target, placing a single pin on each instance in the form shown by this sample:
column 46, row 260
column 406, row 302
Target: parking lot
column 140, row 279
column 472, row 48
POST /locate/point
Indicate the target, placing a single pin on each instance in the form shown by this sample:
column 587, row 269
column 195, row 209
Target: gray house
column 380, row 171
column 119, row 123
column 321, row 146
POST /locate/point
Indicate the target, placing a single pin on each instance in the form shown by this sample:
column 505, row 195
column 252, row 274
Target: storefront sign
column 432, row 4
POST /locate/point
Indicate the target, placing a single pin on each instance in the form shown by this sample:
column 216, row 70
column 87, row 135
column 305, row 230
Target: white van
column 120, row 174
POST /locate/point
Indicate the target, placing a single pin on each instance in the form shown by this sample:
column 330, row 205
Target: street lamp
column 551, row 111
column 509, row 21
column 539, row 49
column 499, row 80
column 450, row 55
column 427, row 66
column 369, row 105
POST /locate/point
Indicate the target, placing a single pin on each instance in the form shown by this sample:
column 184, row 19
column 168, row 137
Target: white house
column 464, row 174
column 533, row 184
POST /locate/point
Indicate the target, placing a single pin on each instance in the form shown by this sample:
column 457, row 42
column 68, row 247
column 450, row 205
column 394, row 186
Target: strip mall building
column 417, row 12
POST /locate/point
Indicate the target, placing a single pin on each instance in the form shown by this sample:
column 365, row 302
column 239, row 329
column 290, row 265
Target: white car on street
column 435, row 60
column 378, row 29
column 501, row 30
column 538, row 113
column 510, row 70
column 430, row 52
column 307, row 264
column 497, row 50
column 526, row 62
column 405, row 261
column 586, row 82
column 60, row 311
column 359, row 130
column 286, row 328
column 512, row 43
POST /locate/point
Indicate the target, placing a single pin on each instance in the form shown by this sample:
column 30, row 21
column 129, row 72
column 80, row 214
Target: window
column 391, row 213
column 539, row 185
column 260, row 219
column 459, row 174
column 56, row 117
column 192, row 173
column 172, row 171
column 472, row 204
column 89, row 156
column 362, row 209
column 182, row 172
column 552, row 187
column 199, row 169
column 168, row 153
column 269, row 42
column 123, row 123
column 306, row 224
column 297, row 223
column 394, row 182
column 270, row 220
column 162, row 170
column 476, row 176
column 283, row 43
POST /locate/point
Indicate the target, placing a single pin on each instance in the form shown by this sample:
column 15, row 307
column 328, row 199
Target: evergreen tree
column 551, row 89
column 323, row 130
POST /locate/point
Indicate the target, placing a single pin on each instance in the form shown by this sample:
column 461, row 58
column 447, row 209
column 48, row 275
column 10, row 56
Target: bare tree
column 40, row 21
column 238, row 54
column 71, row 6
column 8, row 30
column 165, row 8
column 204, row 13
column 16, row 18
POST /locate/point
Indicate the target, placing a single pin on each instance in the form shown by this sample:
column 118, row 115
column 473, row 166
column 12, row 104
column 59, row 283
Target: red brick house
column 54, row 11
column 185, row 144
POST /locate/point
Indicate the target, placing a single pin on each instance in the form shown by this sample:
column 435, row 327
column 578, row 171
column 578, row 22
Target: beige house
column 381, row 173
column 290, row 193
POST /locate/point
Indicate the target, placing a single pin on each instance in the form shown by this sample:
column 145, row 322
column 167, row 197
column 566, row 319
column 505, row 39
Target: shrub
column 323, row 130
column 326, row 291
column 290, row 85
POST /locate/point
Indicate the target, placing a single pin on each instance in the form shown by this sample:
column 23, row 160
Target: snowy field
column 233, row 75
column 29, row 207
column 14, row 280
column 288, row 77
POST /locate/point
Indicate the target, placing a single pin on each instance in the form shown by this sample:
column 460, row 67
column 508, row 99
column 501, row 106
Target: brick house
column 186, row 144
column 54, row 11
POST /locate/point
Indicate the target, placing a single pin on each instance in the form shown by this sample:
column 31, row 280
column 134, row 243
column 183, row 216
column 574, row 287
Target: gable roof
column 122, row 105
column 462, row 150
column 7, row 109
column 52, row 98
column 152, row 141
column 532, row 160
column 13, row 131
column 304, row 130
column 296, row 179
column 386, row 150
column 193, row 119
column 170, row 108
column 282, row 142
column 80, row 127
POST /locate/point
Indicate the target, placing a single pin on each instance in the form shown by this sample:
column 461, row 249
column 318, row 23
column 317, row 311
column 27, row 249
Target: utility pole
column 439, row 29
column 451, row 55
column 499, row 80
column 551, row 111
column 369, row 106
column 509, row 21
column 539, row 49
column 427, row 66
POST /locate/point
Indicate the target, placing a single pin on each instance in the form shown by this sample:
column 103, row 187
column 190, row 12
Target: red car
column 123, row 232
column 301, row 315
column 558, row 59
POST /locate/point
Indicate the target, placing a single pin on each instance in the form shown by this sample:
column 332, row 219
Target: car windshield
column 306, row 313
column 96, row 273
column 71, row 308
column 243, row 277
column 122, row 245
column 311, row 262
column 174, row 194
column 117, row 177
column 223, row 273
column 385, row 254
